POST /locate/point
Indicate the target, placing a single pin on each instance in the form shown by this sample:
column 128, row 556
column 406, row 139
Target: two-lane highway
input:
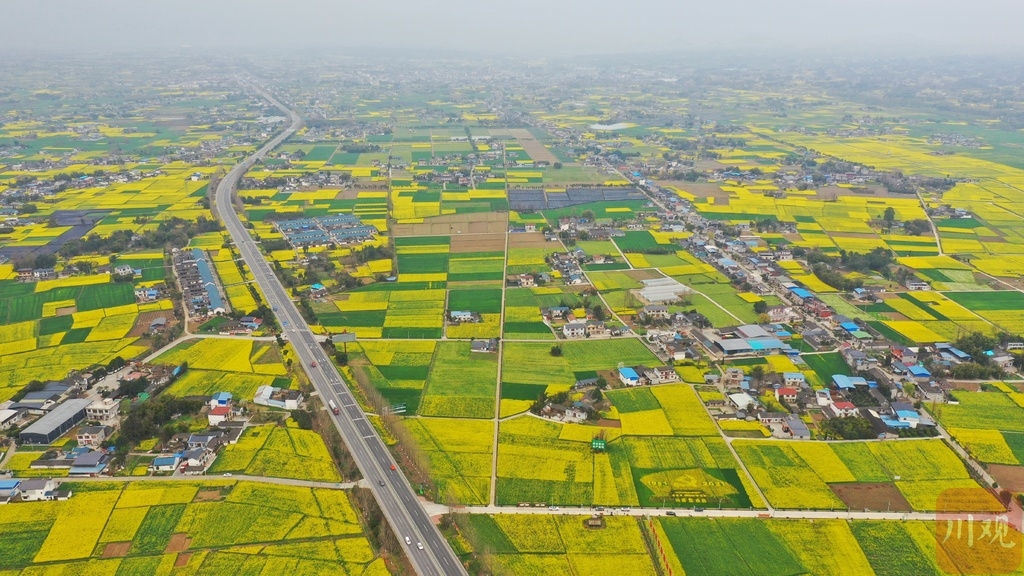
column 426, row 548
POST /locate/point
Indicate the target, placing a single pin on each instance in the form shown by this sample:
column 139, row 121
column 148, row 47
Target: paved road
column 708, row 512
column 201, row 478
column 396, row 498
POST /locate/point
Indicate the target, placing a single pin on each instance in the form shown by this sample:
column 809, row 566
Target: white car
column 419, row 545
column 227, row 474
column 408, row 540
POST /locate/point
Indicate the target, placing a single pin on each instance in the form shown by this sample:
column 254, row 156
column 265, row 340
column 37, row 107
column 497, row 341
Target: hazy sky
column 521, row 27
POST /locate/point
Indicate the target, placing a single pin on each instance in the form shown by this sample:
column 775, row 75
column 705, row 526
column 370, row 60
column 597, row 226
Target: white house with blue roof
column 794, row 379
column 221, row 399
column 629, row 377
column 166, row 463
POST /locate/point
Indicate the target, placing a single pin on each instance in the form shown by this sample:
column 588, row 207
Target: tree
column 757, row 373
column 760, row 307
column 855, row 428
column 889, row 215
column 557, row 165
column 556, row 351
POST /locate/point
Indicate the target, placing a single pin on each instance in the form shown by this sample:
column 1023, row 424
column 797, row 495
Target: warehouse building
column 56, row 423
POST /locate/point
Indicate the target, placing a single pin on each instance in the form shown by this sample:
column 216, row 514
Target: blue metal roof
column 894, row 423
column 207, row 276
column 850, row 326
column 919, row 371
column 845, row 382
column 629, row 374
column 801, row 293
column 765, row 344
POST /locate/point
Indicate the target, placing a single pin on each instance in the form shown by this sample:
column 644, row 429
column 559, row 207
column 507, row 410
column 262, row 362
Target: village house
column 555, row 312
column 489, row 345
column 202, row 440
column 221, row 399
column 794, row 379
column 843, row 409
column 574, row 330
column 35, row 490
column 93, row 436
column 654, row 312
column 858, row 360
column 781, row 313
column 165, row 463
column 218, row 415
column 251, row 322
column 786, row 394
column 460, row 316
column 768, row 418
column 796, row 428
column 904, row 354
column 104, row 410
column 285, row 398
column 9, row 489
column 742, row 401
column 661, row 374
column 913, row 283
column 733, row 376
column 629, row 377
column 8, row 418
column 596, row 328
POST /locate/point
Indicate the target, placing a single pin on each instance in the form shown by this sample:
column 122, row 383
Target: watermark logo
column 975, row 535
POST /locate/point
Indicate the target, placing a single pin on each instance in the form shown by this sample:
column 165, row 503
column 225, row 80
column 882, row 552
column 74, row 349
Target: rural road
column 425, row 547
column 717, row 513
column 204, row 478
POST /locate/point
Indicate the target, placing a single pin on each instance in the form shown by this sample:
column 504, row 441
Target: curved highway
column 424, row 545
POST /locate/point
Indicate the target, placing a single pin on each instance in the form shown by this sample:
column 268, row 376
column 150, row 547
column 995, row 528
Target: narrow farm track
column 497, row 390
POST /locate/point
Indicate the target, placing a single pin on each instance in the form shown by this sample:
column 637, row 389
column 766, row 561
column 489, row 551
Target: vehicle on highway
column 227, row 474
column 313, row 364
column 381, row 482
column 408, row 540
column 670, row 513
column 698, row 509
column 553, row 508
column 334, row 407
column 274, row 308
column 419, row 545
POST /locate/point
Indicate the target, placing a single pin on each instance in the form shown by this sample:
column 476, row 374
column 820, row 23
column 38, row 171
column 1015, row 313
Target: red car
column 313, row 364
column 392, row 466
